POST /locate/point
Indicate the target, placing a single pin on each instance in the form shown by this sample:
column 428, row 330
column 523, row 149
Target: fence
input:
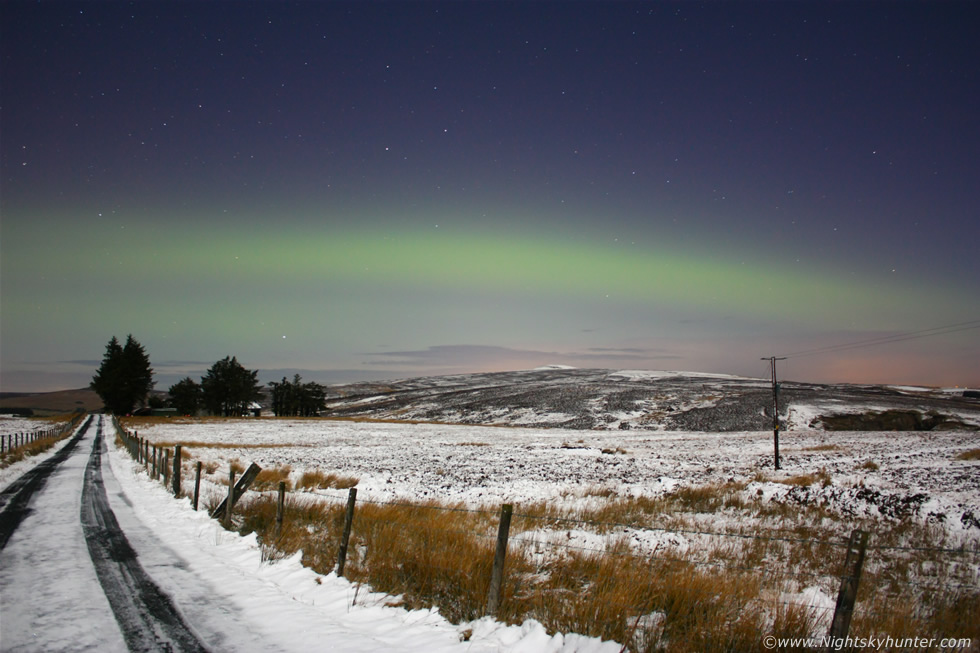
column 12, row 442
column 650, row 589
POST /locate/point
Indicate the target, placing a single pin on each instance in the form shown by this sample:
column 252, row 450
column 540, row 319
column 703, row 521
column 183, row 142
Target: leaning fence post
column 497, row 575
column 280, row 508
column 348, row 521
column 197, row 484
column 850, row 577
column 237, row 493
column 177, row 461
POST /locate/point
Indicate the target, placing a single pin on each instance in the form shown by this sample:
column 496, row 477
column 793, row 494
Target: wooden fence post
column 239, row 490
column 345, row 538
column 177, row 465
column 197, row 484
column 166, row 466
column 154, row 462
column 230, row 501
column 850, row 577
column 280, row 508
column 497, row 575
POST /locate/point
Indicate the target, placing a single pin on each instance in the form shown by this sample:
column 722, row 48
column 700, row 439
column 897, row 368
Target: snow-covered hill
column 675, row 401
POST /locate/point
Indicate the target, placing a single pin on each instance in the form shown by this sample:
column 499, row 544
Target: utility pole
column 775, row 408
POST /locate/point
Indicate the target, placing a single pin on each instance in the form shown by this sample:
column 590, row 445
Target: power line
column 883, row 340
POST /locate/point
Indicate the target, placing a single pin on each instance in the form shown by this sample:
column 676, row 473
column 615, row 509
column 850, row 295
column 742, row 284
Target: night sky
column 363, row 190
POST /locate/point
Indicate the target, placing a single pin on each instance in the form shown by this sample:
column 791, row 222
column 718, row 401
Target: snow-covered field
column 486, row 466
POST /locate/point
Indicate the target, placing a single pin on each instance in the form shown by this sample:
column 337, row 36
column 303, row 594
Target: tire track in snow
column 16, row 498
column 145, row 614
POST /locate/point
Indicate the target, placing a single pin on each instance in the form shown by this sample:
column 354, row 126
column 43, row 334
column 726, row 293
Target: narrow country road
column 69, row 578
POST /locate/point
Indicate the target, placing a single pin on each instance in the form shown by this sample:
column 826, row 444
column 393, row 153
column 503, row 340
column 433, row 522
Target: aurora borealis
column 370, row 190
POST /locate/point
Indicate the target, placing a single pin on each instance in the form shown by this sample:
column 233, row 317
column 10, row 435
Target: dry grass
column 648, row 604
column 822, row 447
column 617, row 450
column 26, row 451
column 821, row 477
column 971, row 454
column 317, row 480
column 269, row 479
column 716, row 594
column 869, row 465
column 429, row 554
column 222, row 472
column 66, row 423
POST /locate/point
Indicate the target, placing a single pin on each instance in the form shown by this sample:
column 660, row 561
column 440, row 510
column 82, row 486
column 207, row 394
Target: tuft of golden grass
column 317, row 480
column 869, row 465
column 617, row 450
column 222, row 471
column 822, row 447
column 970, row 454
column 805, row 480
column 269, row 479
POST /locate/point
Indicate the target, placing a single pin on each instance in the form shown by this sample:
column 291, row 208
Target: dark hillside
column 607, row 399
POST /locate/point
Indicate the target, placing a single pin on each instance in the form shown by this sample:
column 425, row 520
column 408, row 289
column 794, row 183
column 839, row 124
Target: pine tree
column 125, row 378
column 228, row 388
column 185, row 396
column 297, row 398
column 137, row 373
column 107, row 380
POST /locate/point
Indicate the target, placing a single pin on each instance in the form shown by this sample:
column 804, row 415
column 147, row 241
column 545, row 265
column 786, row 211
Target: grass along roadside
column 61, row 428
column 580, row 569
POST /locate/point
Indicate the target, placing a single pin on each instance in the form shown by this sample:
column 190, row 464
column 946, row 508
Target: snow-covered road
column 47, row 581
column 100, row 557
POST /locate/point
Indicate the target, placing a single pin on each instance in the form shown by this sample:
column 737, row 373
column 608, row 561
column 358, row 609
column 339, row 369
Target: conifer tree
column 125, row 378
column 185, row 396
column 228, row 388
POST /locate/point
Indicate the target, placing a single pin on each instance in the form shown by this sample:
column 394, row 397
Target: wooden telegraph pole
column 775, row 408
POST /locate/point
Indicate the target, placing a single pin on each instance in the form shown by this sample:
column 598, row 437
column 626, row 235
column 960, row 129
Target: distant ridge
column 597, row 399
column 49, row 403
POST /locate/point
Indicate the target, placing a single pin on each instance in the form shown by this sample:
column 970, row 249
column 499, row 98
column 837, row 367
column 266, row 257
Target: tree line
column 125, row 378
